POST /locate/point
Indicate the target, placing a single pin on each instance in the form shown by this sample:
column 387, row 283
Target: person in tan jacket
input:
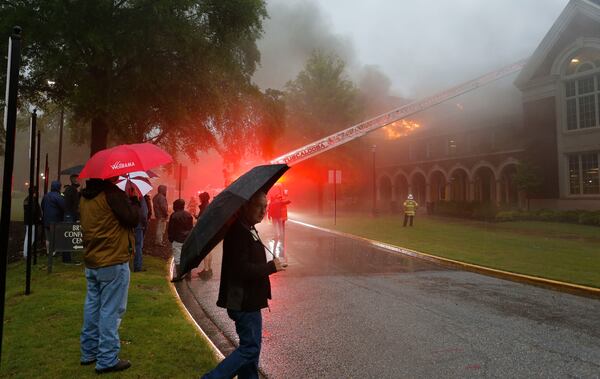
column 108, row 217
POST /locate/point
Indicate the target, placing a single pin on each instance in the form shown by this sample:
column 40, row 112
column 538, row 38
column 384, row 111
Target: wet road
column 344, row 309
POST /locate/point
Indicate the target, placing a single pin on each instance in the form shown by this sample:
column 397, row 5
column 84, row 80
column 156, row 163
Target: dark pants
column 406, row 218
column 243, row 362
column 139, row 246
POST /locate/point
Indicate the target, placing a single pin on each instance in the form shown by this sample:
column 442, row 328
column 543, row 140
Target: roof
column 574, row 8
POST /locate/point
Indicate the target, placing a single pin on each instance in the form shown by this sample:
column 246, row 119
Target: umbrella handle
column 265, row 246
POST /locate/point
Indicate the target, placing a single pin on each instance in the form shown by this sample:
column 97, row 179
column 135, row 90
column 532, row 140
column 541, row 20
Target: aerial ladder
column 398, row 114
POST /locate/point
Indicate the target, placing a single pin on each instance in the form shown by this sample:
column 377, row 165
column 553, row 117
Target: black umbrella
column 75, row 170
column 220, row 213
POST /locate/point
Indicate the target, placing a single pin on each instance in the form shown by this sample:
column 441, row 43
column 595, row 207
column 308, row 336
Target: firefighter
column 410, row 207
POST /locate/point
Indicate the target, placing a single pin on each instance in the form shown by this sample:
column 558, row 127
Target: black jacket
column 245, row 284
column 71, row 195
column 37, row 216
column 180, row 225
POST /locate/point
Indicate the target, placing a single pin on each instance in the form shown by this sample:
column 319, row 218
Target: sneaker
column 122, row 364
column 87, row 363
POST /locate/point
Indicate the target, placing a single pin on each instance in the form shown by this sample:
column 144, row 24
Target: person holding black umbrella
column 245, row 288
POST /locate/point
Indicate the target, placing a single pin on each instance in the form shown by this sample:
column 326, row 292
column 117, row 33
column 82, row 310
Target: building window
column 582, row 91
column 584, row 175
column 451, row 146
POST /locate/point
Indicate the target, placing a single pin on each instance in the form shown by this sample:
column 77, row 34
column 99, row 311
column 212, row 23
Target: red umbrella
column 124, row 159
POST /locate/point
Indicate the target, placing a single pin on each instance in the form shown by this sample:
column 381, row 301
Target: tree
column 528, row 180
column 321, row 101
column 162, row 71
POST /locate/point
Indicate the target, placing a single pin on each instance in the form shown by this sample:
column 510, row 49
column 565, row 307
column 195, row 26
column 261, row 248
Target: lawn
column 564, row 252
column 41, row 331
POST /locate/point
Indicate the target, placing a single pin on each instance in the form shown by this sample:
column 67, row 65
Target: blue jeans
column 105, row 304
column 139, row 246
column 243, row 362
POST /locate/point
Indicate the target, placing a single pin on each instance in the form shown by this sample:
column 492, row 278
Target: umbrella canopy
column 124, row 159
column 139, row 181
column 220, row 213
column 75, row 170
column 152, row 174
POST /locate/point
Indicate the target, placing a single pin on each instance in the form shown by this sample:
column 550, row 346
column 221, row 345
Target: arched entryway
column 418, row 186
column 437, row 186
column 459, row 185
column 385, row 192
column 509, row 194
column 484, row 185
column 401, row 188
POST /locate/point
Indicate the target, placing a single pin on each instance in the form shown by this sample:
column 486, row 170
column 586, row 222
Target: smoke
column 293, row 31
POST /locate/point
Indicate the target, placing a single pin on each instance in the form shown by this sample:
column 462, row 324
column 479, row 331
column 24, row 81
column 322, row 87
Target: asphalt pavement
column 346, row 309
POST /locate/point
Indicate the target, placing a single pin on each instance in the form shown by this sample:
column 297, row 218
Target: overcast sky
column 422, row 46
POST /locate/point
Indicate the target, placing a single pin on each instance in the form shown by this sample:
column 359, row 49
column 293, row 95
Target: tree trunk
column 99, row 135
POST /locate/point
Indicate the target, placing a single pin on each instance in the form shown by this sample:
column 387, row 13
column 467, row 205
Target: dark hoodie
column 53, row 205
column 107, row 219
column 180, row 222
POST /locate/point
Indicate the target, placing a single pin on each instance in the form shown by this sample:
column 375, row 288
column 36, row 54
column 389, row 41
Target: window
column 584, row 176
column 451, row 146
column 582, row 91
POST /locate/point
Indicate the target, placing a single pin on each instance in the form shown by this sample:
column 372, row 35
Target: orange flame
column 399, row 129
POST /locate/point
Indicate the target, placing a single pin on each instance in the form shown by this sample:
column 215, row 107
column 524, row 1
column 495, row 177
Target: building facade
column 557, row 131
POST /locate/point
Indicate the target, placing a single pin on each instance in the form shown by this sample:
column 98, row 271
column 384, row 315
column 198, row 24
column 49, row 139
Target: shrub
column 485, row 212
column 504, row 216
column 569, row 216
column 546, row 215
column 589, row 218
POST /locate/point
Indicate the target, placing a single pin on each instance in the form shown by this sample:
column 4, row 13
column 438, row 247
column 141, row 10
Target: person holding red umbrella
column 107, row 219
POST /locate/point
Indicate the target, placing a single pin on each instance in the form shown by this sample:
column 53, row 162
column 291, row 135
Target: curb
column 189, row 316
column 574, row 289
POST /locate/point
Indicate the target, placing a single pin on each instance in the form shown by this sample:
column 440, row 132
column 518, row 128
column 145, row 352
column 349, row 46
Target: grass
column 41, row 330
column 565, row 252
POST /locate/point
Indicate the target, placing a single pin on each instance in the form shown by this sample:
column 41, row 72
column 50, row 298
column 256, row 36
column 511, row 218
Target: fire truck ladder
column 359, row 130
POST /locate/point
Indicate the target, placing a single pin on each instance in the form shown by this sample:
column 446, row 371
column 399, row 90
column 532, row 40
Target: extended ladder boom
column 397, row 114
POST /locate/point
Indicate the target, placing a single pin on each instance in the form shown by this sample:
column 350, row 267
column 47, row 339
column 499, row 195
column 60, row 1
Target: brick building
column 554, row 125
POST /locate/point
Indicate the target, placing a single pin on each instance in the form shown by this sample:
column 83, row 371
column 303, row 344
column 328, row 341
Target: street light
column 374, row 208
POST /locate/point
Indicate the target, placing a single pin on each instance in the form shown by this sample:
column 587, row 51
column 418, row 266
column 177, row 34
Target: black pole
column 32, row 200
column 46, row 176
column 37, row 192
column 12, row 83
column 60, row 141
column 374, row 209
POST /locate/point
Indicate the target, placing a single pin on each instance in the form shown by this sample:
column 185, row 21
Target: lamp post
column 51, row 84
column 374, row 208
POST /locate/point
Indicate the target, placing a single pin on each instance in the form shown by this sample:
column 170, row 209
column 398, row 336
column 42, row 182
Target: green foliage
column 582, row 217
column 322, row 100
column 528, row 179
column 166, row 71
